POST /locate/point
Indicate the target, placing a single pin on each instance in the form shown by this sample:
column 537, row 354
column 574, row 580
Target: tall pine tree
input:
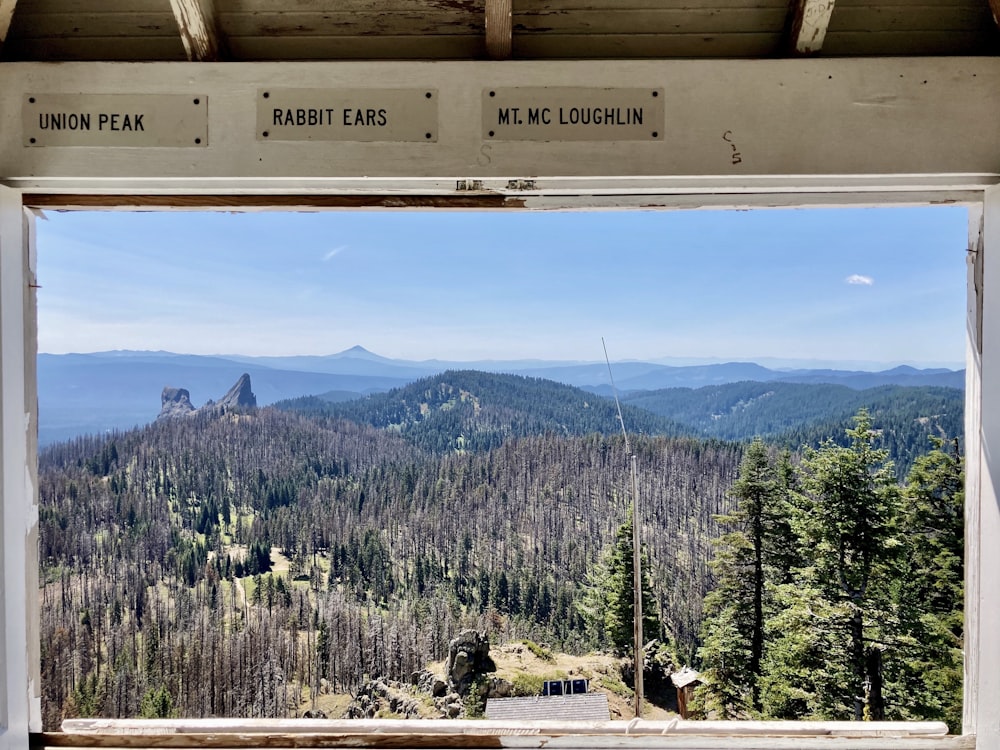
column 928, row 677
column 608, row 601
column 751, row 558
column 848, row 520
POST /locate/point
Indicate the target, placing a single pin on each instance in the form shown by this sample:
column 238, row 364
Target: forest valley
column 245, row 562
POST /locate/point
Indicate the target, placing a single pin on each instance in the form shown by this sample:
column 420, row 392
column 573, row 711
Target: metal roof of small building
column 685, row 677
column 581, row 707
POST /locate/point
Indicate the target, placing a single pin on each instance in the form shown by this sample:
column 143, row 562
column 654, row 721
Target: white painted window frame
column 948, row 121
column 20, row 703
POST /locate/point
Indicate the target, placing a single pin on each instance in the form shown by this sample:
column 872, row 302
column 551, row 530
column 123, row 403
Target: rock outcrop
column 463, row 691
column 176, row 402
column 429, row 683
column 238, row 397
column 381, row 697
column 468, row 658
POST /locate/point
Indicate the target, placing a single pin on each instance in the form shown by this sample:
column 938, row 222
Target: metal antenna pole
column 637, row 650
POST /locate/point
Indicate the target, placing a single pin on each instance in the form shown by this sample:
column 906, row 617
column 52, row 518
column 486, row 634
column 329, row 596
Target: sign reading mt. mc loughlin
column 365, row 115
column 115, row 120
column 572, row 114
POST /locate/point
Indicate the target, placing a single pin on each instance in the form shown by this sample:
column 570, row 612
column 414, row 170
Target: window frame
column 808, row 145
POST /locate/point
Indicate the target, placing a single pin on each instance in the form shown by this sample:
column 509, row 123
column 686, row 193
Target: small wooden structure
column 685, row 681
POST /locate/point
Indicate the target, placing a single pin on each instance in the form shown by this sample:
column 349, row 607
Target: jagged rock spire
column 176, row 402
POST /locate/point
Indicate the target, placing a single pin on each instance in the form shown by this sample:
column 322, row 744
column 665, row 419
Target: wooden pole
column 637, row 653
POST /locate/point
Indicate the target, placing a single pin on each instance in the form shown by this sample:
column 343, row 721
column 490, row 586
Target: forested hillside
column 797, row 414
column 906, row 421
column 238, row 562
column 471, row 410
column 155, row 554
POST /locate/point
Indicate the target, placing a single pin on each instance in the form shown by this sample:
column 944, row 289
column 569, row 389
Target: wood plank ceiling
column 248, row 30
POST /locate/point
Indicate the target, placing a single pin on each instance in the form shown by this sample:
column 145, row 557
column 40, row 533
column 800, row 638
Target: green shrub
column 475, row 701
column 542, row 653
column 527, row 685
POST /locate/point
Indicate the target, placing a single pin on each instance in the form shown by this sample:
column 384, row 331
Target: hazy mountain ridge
column 94, row 393
column 896, row 376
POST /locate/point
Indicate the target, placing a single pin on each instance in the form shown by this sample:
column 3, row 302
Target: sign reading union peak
column 347, row 115
column 572, row 114
column 158, row 120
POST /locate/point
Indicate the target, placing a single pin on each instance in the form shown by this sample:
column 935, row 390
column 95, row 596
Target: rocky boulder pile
column 428, row 695
column 381, row 697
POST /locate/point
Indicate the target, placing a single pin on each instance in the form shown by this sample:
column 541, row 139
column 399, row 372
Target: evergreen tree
column 609, row 597
column 156, row 704
column 323, row 647
column 928, row 680
column 935, row 495
column 804, row 673
column 848, row 520
column 750, row 559
column 785, row 552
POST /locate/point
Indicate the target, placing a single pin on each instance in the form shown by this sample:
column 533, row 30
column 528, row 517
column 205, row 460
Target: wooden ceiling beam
column 500, row 28
column 6, row 15
column 199, row 27
column 807, row 26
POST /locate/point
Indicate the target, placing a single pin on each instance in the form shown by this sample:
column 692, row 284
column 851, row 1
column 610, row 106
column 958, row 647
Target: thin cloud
column 858, row 280
column 331, row 254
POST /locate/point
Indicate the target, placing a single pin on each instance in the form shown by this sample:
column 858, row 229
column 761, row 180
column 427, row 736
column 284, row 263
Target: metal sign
column 401, row 115
column 163, row 120
column 572, row 114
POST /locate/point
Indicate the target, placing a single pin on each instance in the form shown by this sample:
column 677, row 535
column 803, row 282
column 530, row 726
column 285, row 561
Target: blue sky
column 845, row 285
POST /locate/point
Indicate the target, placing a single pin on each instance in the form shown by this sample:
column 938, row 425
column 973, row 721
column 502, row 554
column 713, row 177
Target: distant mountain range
column 93, row 393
